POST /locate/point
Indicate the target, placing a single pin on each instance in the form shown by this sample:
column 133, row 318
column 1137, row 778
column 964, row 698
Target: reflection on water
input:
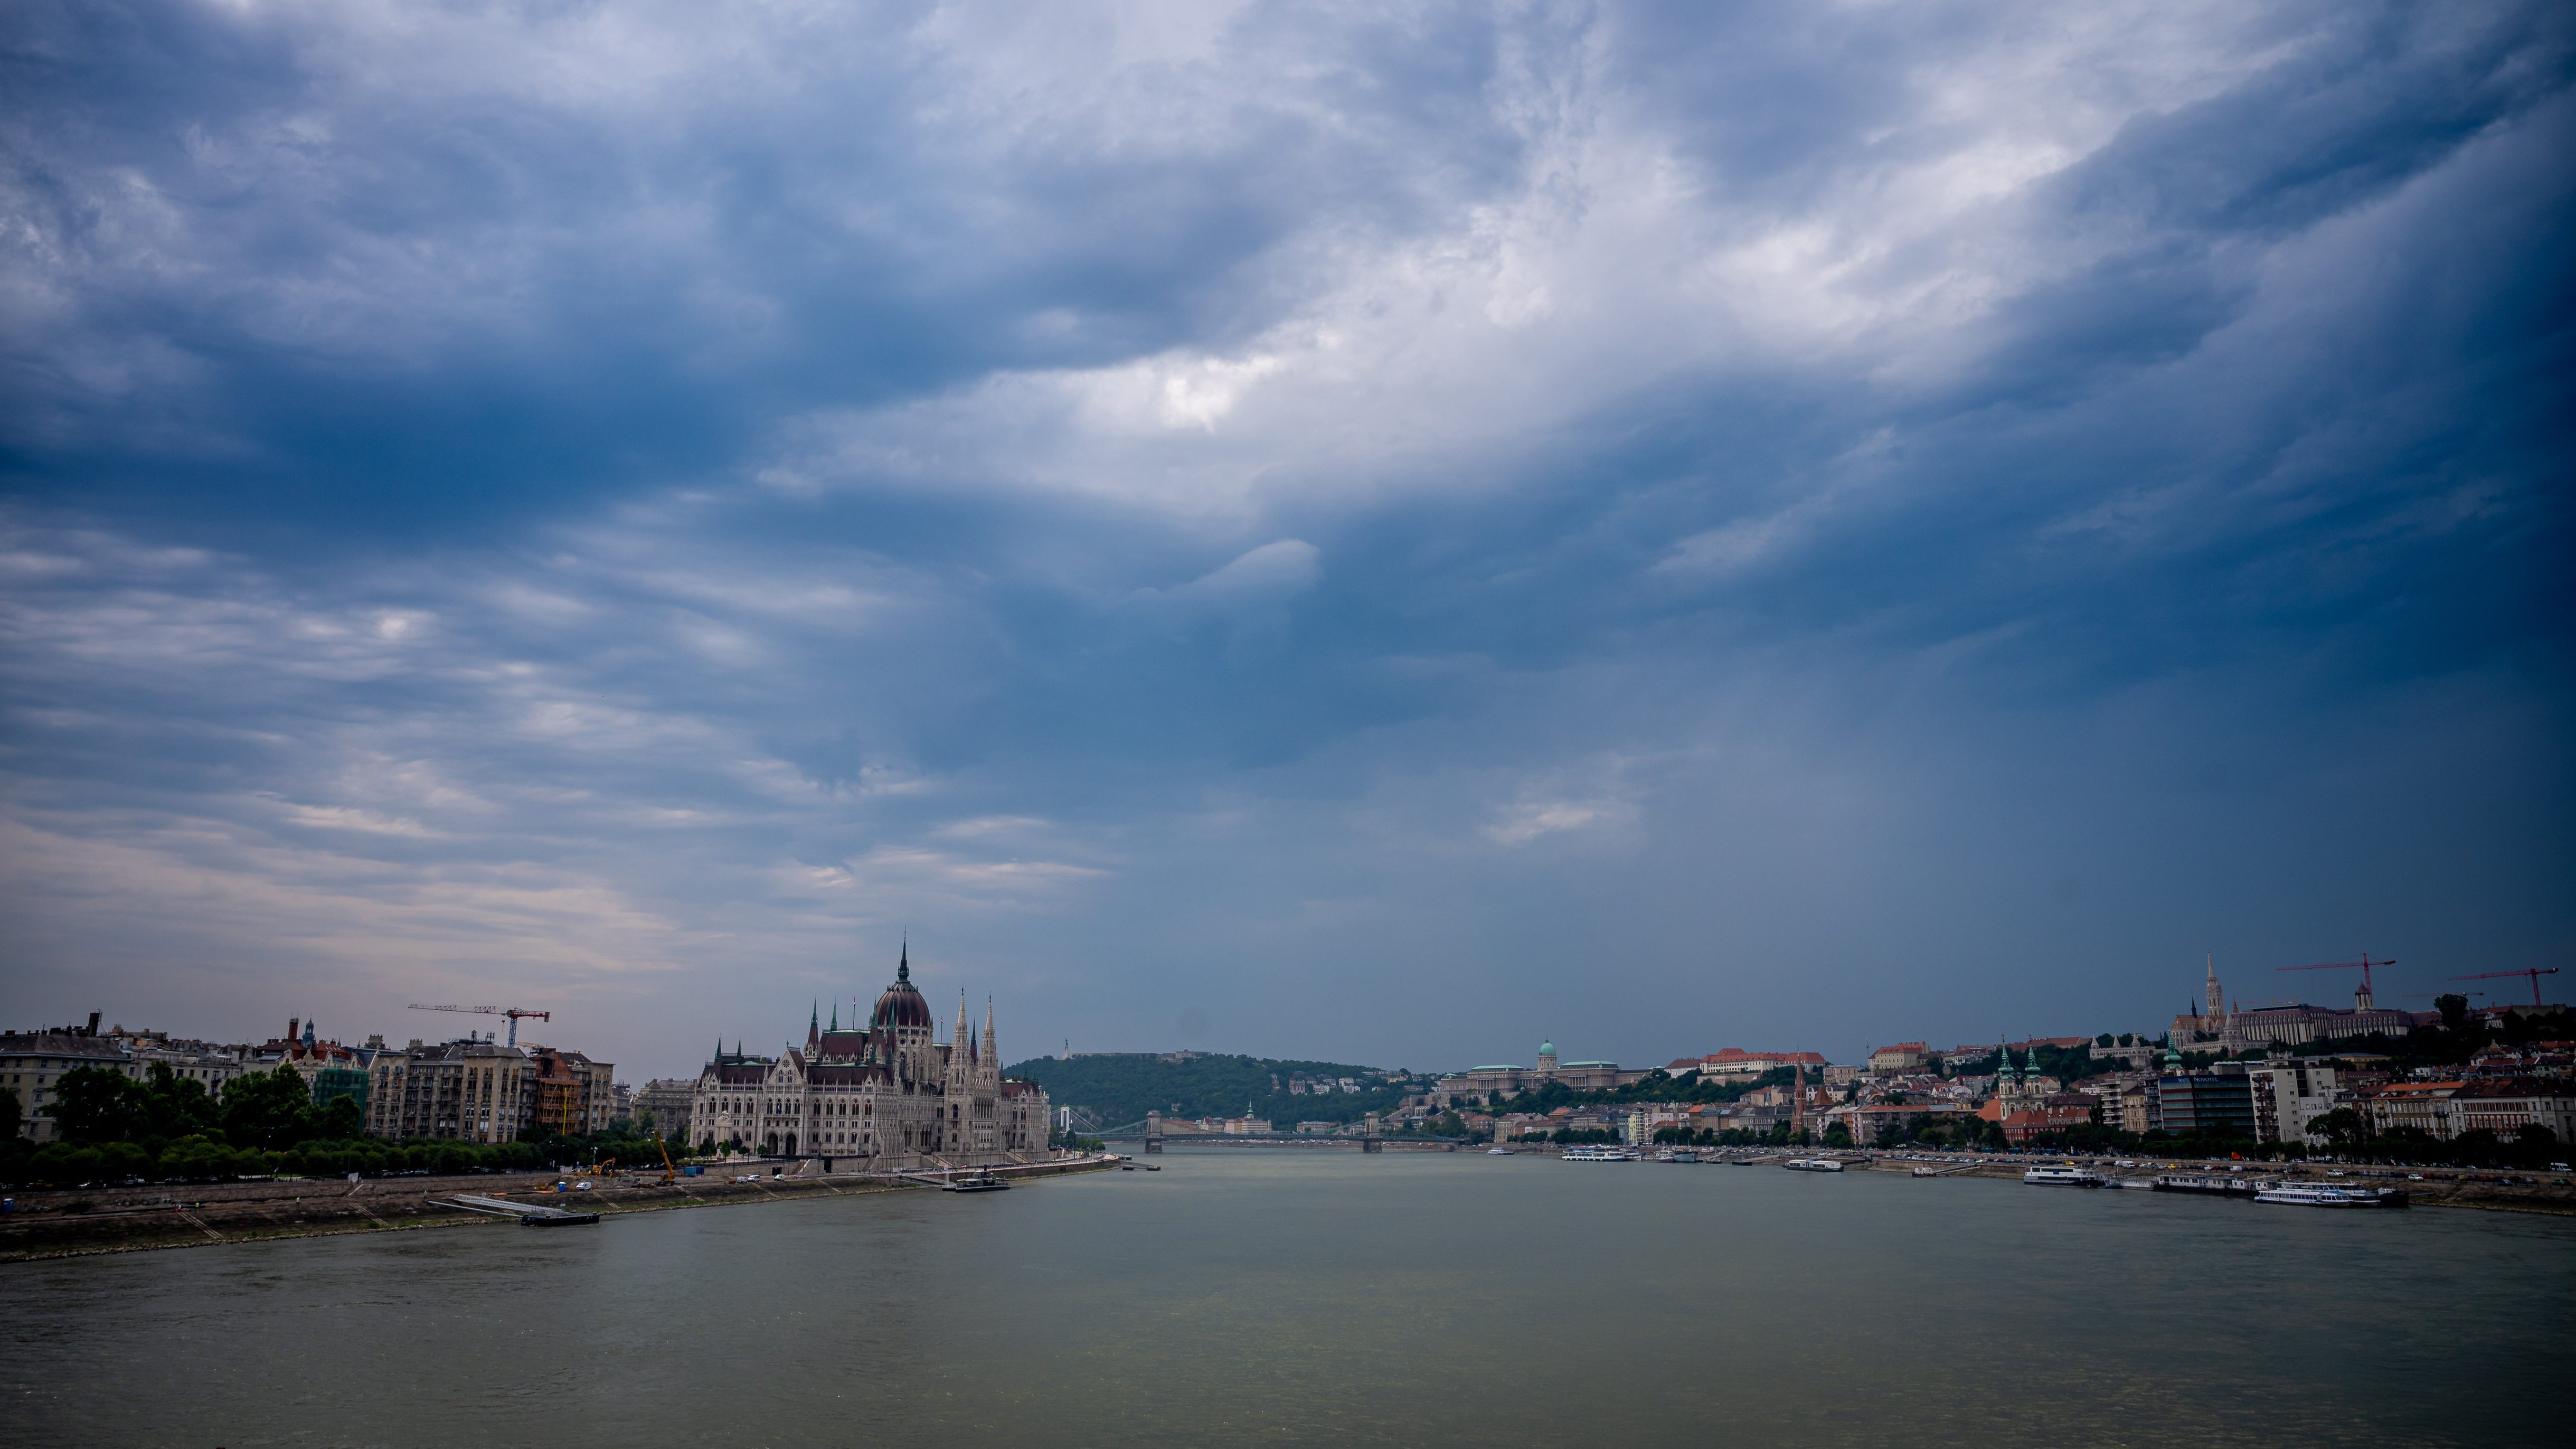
column 1245, row 1295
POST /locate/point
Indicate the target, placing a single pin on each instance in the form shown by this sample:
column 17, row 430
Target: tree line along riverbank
column 164, row 1128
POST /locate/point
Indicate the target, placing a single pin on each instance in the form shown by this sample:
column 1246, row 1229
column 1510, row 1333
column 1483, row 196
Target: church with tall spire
column 885, row 1097
column 2219, row 1025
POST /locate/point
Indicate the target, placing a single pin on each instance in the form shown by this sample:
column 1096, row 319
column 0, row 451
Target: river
column 1315, row 1297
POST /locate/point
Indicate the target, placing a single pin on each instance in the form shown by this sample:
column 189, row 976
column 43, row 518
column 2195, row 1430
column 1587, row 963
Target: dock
column 529, row 1214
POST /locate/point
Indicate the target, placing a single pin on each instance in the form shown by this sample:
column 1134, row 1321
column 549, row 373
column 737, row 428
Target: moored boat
column 1812, row 1164
column 2065, row 1176
column 2208, row 1183
column 2319, row 1194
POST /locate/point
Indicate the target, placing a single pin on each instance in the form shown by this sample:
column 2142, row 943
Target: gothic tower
column 989, row 1063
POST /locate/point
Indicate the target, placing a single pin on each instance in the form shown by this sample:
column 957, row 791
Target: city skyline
column 1281, row 531
column 1824, row 1038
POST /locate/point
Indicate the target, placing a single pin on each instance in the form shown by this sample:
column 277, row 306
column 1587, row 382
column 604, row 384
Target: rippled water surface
column 1324, row 1297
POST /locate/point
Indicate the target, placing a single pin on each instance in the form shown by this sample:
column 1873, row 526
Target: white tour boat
column 2062, row 1177
column 1812, row 1164
column 2319, row 1194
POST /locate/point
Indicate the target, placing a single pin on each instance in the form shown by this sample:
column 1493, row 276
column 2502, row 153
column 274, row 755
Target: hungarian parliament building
column 887, row 1098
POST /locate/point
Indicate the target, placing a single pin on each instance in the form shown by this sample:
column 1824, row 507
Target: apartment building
column 2501, row 1105
column 2288, row 1096
column 665, row 1101
column 2412, row 1106
column 31, row 1062
column 467, row 1091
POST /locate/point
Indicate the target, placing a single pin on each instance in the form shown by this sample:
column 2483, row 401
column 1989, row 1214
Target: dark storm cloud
column 529, row 252
column 1843, row 525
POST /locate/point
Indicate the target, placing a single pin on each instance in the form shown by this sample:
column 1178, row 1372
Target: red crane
column 2534, row 972
column 2361, row 999
column 511, row 1012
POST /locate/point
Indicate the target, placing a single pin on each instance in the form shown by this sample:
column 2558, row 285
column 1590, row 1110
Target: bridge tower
column 1368, row 1135
column 1153, row 1134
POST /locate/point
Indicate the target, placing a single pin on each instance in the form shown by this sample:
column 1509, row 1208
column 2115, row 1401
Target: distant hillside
column 1121, row 1087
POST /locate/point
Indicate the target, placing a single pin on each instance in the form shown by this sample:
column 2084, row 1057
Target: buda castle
column 887, row 1098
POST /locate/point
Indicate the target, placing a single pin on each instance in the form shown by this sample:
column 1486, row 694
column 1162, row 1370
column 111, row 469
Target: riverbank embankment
column 69, row 1222
column 2424, row 1187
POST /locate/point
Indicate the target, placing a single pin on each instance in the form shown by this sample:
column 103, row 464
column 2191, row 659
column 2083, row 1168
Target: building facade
column 465, row 1091
column 208, row 1065
column 2501, row 1105
column 2288, row 1096
column 570, row 1094
column 1737, row 1062
column 1905, row 1056
column 663, row 1107
column 2506, row 1105
column 1868, row 1121
column 330, row 1070
column 32, row 1062
column 888, row 1097
column 2212, row 1026
column 2412, row 1107
column 2129, row 1103
column 2208, row 1104
column 1476, row 1086
column 477, row 1090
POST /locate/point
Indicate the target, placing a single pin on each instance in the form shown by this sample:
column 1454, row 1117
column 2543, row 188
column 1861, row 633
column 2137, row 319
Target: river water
column 1250, row 1296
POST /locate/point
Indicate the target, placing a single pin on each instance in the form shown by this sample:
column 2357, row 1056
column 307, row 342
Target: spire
column 836, row 1016
column 992, row 1057
column 903, row 967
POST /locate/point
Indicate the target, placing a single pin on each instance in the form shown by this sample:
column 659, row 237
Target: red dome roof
column 902, row 1004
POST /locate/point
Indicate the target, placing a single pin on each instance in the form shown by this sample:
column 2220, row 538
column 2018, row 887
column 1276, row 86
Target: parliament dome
column 902, row 1004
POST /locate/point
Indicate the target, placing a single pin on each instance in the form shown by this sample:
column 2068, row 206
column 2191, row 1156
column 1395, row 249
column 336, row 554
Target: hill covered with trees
column 1121, row 1087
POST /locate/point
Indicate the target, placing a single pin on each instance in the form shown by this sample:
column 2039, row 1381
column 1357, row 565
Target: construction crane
column 2534, row 972
column 511, row 1012
column 2361, row 1000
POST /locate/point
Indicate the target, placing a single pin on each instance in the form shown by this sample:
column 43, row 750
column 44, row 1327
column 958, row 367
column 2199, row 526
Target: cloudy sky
column 1374, row 533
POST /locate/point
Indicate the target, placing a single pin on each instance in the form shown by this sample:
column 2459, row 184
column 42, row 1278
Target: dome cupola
column 902, row 1005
